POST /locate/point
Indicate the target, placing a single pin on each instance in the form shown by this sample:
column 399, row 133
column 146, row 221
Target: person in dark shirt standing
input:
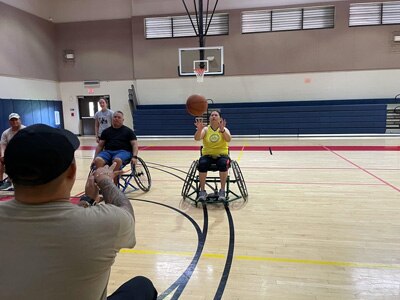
column 118, row 144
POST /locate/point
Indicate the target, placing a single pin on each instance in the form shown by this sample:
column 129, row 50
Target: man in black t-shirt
column 117, row 143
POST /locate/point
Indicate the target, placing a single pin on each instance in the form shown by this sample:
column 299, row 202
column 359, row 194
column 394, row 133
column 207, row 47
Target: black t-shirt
column 118, row 138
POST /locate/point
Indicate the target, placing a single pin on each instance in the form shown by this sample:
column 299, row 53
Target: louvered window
column 362, row 14
column 391, row 12
column 158, row 27
column 288, row 19
column 181, row 26
column 256, row 21
column 319, row 17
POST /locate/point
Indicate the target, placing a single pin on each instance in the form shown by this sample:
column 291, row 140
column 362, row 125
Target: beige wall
column 103, row 50
column 117, row 49
column 27, row 47
column 338, row 49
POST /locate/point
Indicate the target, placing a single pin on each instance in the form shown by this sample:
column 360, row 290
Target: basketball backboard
column 209, row 58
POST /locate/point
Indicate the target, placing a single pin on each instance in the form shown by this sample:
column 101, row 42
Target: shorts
column 109, row 155
column 222, row 162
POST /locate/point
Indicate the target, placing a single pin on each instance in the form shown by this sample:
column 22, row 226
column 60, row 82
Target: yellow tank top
column 213, row 143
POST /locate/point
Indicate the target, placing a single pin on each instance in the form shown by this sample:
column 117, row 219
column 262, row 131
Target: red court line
column 266, row 148
column 365, row 170
column 6, row 198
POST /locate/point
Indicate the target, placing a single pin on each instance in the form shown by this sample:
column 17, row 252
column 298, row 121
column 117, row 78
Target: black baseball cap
column 38, row 154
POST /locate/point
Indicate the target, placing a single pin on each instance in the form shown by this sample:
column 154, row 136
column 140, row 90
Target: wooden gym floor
column 322, row 222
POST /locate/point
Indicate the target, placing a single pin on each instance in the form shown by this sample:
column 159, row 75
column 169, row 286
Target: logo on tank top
column 214, row 138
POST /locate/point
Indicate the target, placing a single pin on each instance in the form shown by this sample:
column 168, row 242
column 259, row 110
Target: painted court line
column 364, row 170
column 266, row 148
column 269, row 259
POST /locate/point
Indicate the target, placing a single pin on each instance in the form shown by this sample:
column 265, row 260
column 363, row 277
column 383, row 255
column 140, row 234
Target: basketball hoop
column 199, row 74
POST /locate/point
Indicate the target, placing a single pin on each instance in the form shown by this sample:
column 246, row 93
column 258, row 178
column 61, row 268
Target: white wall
column 264, row 88
column 19, row 88
column 118, row 91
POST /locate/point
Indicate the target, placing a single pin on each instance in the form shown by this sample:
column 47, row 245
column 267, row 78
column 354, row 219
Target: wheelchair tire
column 189, row 179
column 142, row 175
column 239, row 179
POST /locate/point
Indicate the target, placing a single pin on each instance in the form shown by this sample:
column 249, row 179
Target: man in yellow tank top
column 215, row 150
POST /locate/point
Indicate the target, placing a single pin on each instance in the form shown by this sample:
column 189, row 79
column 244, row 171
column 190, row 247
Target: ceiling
column 60, row 11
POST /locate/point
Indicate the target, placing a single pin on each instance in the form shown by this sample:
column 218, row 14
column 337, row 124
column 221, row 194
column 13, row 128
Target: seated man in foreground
column 51, row 248
column 117, row 144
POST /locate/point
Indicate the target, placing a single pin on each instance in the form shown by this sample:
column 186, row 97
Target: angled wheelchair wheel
column 187, row 185
column 142, row 175
column 239, row 179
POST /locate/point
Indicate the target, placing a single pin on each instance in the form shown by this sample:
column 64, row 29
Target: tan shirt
column 59, row 250
column 6, row 136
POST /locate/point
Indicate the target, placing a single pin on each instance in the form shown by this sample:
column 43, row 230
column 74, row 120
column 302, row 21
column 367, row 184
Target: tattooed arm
column 111, row 194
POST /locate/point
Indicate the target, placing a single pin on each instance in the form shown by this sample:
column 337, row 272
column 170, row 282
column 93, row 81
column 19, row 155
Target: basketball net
column 199, row 74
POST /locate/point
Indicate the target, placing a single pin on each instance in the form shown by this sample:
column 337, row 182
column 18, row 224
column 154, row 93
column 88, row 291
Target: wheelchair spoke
column 142, row 175
column 189, row 179
column 239, row 180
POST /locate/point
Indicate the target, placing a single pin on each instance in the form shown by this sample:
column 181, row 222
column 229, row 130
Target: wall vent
column 91, row 83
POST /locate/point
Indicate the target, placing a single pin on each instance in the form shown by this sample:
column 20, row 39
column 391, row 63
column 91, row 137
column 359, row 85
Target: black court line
column 180, row 284
column 165, row 171
column 183, row 280
column 165, row 166
column 229, row 257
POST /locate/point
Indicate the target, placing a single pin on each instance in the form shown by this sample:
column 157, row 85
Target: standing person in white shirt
column 102, row 119
column 15, row 125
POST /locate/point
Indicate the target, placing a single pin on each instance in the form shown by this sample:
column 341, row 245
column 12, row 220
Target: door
column 88, row 106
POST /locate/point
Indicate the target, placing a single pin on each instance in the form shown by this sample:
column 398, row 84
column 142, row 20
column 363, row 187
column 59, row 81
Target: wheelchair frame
column 191, row 186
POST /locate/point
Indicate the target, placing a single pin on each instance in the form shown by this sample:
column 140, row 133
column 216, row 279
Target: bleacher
column 271, row 118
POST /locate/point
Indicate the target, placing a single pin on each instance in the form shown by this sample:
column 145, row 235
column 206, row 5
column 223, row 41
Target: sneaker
column 221, row 195
column 5, row 185
column 202, row 196
column 11, row 188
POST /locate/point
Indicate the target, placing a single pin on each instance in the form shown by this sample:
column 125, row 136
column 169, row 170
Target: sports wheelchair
column 191, row 186
column 139, row 172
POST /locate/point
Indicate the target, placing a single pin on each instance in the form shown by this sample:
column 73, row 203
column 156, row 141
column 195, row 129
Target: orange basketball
column 196, row 105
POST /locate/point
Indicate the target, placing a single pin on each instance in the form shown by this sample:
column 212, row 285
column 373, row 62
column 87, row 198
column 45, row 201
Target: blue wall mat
column 24, row 109
column 31, row 112
column 3, row 117
column 50, row 105
column 44, row 112
column 7, row 109
column 36, row 114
